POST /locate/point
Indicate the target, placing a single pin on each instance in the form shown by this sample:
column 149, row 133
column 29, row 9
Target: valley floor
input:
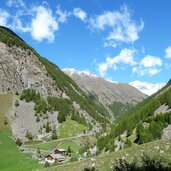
column 105, row 162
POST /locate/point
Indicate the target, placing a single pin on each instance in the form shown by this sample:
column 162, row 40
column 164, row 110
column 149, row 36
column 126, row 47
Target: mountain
column 116, row 97
column 42, row 96
column 148, row 121
column 147, row 88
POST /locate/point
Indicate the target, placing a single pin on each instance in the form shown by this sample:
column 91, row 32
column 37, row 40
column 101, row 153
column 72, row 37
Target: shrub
column 18, row 142
column 37, row 119
column 46, row 164
column 74, row 158
column 16, row 103
column 54, row 134
column 146, row 163
column 5, row 122
column 90, row 169
column 29, row 135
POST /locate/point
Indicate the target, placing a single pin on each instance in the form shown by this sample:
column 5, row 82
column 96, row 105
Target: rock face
column 167, row 132
column 23, row 119
column 21, row 69
column 106, row 92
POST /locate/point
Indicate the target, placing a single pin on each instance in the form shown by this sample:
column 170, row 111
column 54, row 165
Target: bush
column 5, row 122
column 37, row 119
column 16, row 103
column 46, row 164
column 18, row 142
column 54, row 134
column 90, row 169
column 74, row 158
column 29, row 135
column 146, row 163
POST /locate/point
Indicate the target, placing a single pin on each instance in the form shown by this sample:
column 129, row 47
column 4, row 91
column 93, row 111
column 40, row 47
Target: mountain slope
column 43, row 95
column 116, row 97
column 149, row 120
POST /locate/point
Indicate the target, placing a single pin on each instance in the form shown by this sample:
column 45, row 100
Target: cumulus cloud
column 149, row 65
column 79, row 13
column 15, row 3
column 4, row 15
column 123, row 29
column 168, row 52
column 44, row 24
column 151, row 61
column 41, row 22
column 126, row 56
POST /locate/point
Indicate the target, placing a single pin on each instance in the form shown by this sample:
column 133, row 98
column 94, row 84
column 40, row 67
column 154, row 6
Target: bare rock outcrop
column 21, row 69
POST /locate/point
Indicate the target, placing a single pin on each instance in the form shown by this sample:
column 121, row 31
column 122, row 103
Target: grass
column 71, row 128
column 69, row 143
column 45, row 146
column 60, row 144
column 5, row 104
column 104, row 162
column 11, row 159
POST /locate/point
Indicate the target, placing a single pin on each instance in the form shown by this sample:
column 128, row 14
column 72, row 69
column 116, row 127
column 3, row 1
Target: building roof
column 60, row 149
column 57, row 156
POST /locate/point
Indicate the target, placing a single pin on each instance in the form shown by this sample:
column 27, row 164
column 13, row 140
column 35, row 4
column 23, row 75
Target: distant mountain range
column 116, row 97
column 147, row 88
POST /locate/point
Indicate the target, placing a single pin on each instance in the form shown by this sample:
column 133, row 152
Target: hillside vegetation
column 105, row 162
column 142, row 113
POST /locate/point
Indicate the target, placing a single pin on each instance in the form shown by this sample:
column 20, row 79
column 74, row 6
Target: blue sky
column 121, row 40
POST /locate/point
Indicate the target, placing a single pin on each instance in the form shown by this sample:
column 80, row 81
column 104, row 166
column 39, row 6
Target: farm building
column 51, row 158
column 60, row 151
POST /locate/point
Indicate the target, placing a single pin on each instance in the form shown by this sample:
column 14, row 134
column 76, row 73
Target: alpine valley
column 53, row 119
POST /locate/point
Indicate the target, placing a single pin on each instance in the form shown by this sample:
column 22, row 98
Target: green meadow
column 12, row 159
column 71, row 128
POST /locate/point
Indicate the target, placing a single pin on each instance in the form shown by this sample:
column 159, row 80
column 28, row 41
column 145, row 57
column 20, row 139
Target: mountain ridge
column 116, row 97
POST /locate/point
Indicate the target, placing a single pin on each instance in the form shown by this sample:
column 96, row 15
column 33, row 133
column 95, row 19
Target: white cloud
column 147, row 88
column 79, row 13
column 4, row 15
column 168, row 52
column 62, row 15
column 145, row 71
column 43, row 25
column 153, row 71
column 151, row 61
column 126, row 56
column 15, row 3
column 149, row 65
column 122, row 28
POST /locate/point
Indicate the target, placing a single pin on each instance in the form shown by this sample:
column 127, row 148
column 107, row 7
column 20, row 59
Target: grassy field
column 45, row 146
column 60, row 144
column 106, row 161
column 5, row 104
column 71, row 128
column 69, row 143
column 11, row 159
